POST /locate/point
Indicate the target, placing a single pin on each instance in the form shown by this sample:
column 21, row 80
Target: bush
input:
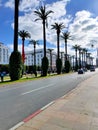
column 45, row 64
column 67, row 66
column 15, row 66
column 58, row 65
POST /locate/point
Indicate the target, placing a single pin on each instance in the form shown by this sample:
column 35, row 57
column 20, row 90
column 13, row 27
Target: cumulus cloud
column 83, row 27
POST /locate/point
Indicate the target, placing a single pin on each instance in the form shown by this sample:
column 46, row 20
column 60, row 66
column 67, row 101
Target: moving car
column 92, row 68
column 81, row 71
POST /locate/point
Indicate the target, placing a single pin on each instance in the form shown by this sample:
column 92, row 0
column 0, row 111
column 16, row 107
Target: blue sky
column 79, row 16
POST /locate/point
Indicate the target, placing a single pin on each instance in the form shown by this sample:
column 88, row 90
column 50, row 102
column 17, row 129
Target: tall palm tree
column 79, row 49
column 84, row 53
column 65, row 36
column 76, row 49
column 42, row 14
column 16, row 25
column 23, row 34
column 58, row 27
column 34, row 43
column 50, row 51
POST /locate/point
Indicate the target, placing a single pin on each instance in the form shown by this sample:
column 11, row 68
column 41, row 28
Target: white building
column 97, row 58
column 4, row 54
column 29, row 61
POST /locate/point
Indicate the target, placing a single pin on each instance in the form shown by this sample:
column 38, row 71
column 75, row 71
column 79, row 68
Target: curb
column 31, row 116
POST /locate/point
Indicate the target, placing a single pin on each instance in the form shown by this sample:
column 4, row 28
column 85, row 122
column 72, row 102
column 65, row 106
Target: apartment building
column 4, row 54
column 29, row 58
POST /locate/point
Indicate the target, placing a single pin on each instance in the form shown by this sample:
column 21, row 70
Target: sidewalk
column 77, row 110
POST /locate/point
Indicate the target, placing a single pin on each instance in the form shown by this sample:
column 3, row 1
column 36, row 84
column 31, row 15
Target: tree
column 79, row 49
column 65, row 36
column 42, row 14
column 15, row 66
column 34, row 43
column 76, row 49
column 15, row 62
column 58, row 27
column 23, row 34
column 16, row 5
column 50, row 51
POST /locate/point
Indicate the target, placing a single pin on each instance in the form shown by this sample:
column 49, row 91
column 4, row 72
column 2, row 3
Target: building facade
column 29, row 58
column 97, row 59
column 4, row 54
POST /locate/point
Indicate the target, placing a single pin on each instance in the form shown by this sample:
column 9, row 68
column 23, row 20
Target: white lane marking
column 49, row 104
column 37, row 89
column 16, row 126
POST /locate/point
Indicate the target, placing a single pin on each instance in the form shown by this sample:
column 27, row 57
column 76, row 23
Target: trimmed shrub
column 67, row 66
column 58, row 65
column 45, row 64
column 15, row 66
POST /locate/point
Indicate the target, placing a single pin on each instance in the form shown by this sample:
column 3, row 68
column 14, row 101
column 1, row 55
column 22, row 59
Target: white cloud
column 10, row 4
column 83, row 27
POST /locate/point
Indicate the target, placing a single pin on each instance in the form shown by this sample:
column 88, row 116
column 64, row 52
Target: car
column 92, row 68
column 81, row 71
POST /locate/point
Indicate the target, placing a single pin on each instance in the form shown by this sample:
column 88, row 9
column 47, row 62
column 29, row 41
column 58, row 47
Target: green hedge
column 59, row 65
column 15, row 66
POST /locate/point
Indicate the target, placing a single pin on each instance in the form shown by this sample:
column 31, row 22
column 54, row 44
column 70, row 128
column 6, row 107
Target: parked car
column 92, row 68
column 80, row 71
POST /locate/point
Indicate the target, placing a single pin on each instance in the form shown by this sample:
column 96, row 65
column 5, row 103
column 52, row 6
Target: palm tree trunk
column 16, row 25
column 44, row 38
column 76, row 58
column 23, row 53
column 65, row 50
column 58, row 50
column 34, row 56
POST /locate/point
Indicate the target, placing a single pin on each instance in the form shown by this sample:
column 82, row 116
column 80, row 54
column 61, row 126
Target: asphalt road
column 19, row 101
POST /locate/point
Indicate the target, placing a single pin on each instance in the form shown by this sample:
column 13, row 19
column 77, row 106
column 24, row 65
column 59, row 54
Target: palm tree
column 23, row 34
column 84, row 52
column 50, row 51
column 34, row 43
column 58, row 27
column 43, row 15
column 16, row 25
column 65, row 36
column 79, row 56
column 76, row 49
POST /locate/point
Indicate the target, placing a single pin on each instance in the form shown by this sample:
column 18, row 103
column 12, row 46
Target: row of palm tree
column 83, row 56
column 43, row 15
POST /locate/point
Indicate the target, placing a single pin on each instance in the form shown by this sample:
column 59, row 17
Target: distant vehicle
column 81, row 71
column 92, row 68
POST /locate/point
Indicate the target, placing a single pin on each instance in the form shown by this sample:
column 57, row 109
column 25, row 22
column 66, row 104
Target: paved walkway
column 77, row 110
